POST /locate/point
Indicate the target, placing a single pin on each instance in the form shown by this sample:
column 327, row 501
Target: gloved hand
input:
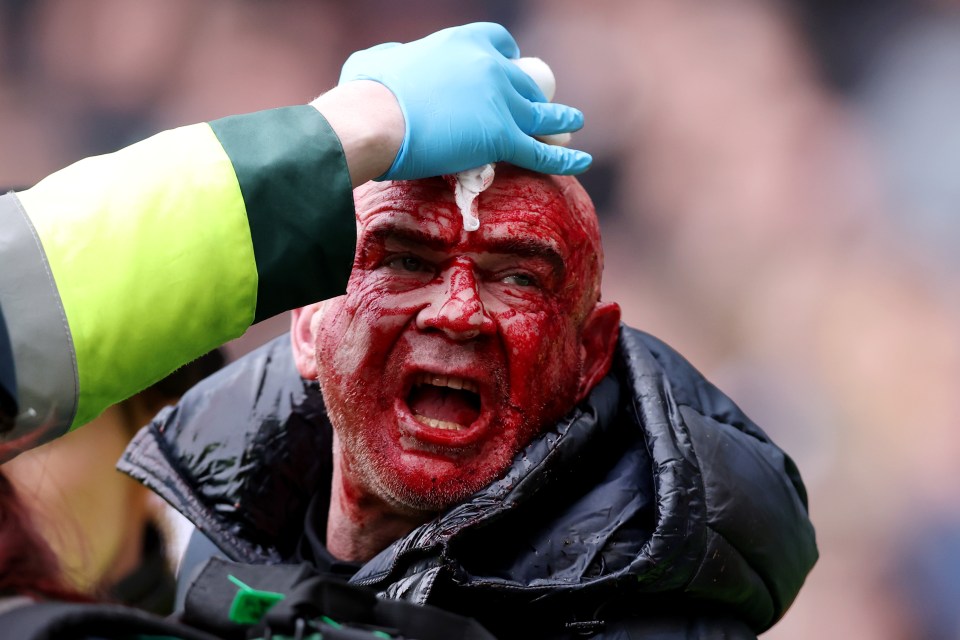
column 465, row 104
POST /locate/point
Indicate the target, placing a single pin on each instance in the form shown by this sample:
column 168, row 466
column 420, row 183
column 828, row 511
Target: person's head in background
column 452, row 349
column 106, row 531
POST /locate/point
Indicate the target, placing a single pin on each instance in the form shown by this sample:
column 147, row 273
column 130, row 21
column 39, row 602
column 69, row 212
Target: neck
column 360, row 524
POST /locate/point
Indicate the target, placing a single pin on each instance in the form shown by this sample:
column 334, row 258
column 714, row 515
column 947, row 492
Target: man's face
column 452, row 349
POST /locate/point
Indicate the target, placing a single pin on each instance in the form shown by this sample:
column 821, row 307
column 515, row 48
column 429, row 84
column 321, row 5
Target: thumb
column 356, row 66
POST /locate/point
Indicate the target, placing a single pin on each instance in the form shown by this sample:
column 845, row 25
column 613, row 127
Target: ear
column 303, row 339
column 598, row 341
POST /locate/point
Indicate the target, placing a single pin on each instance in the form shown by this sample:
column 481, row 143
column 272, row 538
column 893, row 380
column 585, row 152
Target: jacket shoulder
column 241, row 454
column 688, row 386
column 756, row 543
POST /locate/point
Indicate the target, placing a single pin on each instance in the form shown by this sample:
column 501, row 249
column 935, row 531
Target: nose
column 455, row 306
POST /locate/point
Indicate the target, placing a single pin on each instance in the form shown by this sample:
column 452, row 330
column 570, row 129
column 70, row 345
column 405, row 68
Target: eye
column 411, row 264
column 521, row 280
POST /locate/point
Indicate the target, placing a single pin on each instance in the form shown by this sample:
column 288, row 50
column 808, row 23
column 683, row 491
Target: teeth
column 448, row 381
column 439, row 424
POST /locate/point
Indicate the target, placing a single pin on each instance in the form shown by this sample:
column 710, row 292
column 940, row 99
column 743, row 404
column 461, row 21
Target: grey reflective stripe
column 14, row 602
column 43, row 350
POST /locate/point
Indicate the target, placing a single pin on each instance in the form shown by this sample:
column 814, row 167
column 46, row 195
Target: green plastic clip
column 250, row 605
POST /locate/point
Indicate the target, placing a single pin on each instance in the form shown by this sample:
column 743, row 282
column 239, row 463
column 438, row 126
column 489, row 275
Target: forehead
column 517, row 206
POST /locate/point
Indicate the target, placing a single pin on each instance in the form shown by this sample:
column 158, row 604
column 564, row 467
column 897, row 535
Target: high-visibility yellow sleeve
column 126, row 236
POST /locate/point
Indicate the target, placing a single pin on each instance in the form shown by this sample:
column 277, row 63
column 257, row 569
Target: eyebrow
column 523, row 247
column 408, row 235
column 529, row 248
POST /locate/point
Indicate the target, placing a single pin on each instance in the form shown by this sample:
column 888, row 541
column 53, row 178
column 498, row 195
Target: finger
column 545, row 158
column 523, row 83
column 546, row 118
column 562, row 139
column 497, row 35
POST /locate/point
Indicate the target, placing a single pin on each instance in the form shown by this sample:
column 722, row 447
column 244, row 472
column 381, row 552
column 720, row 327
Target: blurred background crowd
column 779, row 185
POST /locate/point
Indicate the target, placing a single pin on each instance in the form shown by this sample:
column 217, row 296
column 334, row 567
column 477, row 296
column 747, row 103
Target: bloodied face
column 452, row 349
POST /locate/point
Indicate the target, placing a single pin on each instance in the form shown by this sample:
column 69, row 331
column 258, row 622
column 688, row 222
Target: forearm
column 368, row 121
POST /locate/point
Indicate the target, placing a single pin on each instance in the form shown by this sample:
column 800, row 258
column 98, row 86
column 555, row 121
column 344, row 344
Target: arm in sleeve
column 123, row 267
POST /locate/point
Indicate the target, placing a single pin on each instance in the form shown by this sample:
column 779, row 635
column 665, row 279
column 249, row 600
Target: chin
column 431, row 487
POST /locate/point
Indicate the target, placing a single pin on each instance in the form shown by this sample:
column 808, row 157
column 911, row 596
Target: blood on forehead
column 407, row 196
column 425, row 205
column 528, row 202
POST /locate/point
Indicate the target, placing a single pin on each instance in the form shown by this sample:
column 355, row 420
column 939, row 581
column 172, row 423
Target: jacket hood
column 656, row 491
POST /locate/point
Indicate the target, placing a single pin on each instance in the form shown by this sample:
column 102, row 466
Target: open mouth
column 444, row 402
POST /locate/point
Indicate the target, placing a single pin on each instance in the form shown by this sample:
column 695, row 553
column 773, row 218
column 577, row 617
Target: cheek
column 541, row 343
column 357, row 334
column 343, row 344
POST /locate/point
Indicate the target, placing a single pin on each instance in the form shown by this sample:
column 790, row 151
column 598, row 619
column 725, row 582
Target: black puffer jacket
column 655, row 509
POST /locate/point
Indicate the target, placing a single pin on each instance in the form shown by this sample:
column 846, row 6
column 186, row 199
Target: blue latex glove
column 465, row 104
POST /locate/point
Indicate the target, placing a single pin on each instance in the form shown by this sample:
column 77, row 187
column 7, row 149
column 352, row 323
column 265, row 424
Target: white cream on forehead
column 469, row 185
column 472, row 182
